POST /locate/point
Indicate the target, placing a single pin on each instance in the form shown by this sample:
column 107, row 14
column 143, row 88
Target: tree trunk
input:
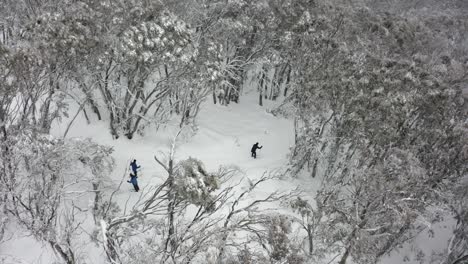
column 97, row 201
column 86, row 116
column 4, row 40
column 345, row 256
column 68, row 256
column 3, row 124
column 273, row 82
column 91, row 102
column 288, row 78
column 314, row 168
column 45, row 123
column 111, row 248
column 260, row 87
column 461, row 260
column 260, row 102
column 227, row 94
column 177, row 103
column 73, row 120
column 171, row 242
column 295, row 132
column 112, row 127
column 352, row 236
column 214, row 96
column 279, row 80
column 45, row 112
column 114, row 117
column 333, row 158
column 95, row 108
column 311, row 240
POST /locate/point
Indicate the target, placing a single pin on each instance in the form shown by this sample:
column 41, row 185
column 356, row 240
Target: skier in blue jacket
column 134, row 167
column 133, row 180
column 133, row 175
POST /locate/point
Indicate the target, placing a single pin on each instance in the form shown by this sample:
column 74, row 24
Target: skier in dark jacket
column 134, row 167
column 133, row 180
column 254, row 150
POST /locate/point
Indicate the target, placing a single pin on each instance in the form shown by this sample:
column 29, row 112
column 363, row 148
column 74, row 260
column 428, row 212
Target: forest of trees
column 374, row 89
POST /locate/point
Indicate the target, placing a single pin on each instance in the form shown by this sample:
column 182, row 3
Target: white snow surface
column 224, row 136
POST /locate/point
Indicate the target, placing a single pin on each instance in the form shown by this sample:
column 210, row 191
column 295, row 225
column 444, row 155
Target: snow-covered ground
column 224, row 136
column 424, row 243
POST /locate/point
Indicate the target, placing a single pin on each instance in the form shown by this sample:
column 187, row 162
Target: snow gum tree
column 26, row 98
column 38, row 172
column 142, row 54
column 231, row 39
column 378, row 123
column 131, row 60
column 158, row 44
column 43, row 180
column 60, row 39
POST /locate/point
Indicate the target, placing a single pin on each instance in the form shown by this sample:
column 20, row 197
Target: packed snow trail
column 224, row 136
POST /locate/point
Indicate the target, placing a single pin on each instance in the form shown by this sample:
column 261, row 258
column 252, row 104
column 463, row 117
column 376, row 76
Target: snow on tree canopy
column 150, row 41
column 194, row 183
